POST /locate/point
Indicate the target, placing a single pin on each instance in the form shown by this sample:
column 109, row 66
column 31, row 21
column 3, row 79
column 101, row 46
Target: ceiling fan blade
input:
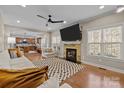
column 57, row 21
column 41, row 16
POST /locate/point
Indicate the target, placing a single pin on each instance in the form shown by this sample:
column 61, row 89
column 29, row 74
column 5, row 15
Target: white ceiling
column 69, row 13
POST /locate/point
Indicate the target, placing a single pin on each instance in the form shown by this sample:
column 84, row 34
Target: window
column 94, row 40
column 11, row 40
column 44, row 41
column 105, row 42
column 55, row 40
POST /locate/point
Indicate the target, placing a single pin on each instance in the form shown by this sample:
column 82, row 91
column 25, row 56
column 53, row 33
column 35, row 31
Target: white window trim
column 101, row 28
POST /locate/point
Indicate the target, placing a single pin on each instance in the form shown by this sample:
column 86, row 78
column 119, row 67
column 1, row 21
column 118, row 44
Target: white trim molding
column 71, row 42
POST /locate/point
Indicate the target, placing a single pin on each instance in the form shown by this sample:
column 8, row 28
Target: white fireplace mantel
column 72, row 42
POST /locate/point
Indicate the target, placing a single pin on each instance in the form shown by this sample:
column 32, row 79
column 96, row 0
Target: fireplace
column 74, row 56
column 71, row 54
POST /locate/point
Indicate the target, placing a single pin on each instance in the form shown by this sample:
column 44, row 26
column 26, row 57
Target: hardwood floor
column 94, row 77
column 34, row 56
column 91, row 76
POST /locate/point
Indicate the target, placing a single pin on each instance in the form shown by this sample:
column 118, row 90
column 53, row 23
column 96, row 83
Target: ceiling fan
column 50, row 20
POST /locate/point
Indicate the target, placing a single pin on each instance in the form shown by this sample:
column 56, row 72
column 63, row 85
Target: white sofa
column 22, row 62
column 16, row 63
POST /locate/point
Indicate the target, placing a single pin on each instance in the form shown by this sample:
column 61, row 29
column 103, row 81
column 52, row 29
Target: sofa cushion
column 21, row 63
column 14, row 53
column 26, row 78
column 16, row 63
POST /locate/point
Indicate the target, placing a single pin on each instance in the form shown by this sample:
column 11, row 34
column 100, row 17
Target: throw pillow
column 14, row 53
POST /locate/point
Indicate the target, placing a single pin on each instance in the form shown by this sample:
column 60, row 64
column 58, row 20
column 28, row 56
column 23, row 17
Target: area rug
column 63, row 68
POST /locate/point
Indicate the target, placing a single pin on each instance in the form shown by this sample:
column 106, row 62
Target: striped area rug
column 63, row 68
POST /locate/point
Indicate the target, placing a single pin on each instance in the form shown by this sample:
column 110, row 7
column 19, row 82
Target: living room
column 80, row 51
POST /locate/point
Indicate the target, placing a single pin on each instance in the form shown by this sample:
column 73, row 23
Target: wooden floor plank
column 91, row 76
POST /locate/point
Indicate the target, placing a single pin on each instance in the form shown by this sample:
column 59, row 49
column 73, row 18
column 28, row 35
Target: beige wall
column 105, row 21
column 112, row 20
column 1, row 34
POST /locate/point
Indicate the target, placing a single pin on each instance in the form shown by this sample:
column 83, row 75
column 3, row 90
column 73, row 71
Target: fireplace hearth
column 71, row 55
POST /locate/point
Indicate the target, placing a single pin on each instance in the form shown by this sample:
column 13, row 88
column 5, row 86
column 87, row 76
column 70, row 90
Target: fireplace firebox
column 71, row 55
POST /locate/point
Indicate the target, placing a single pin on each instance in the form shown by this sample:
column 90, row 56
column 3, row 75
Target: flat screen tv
column 71, row 33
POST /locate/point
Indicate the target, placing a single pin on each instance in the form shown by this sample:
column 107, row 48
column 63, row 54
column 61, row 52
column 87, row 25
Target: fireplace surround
column 73, row 47
column 71, row 54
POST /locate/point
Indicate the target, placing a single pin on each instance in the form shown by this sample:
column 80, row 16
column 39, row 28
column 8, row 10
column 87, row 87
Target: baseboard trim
column 105, row 67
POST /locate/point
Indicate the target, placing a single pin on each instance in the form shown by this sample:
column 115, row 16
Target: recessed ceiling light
column 101, row 7
column 120, row 9
column 65, row 22
column 18, row 21
column 23, row 5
